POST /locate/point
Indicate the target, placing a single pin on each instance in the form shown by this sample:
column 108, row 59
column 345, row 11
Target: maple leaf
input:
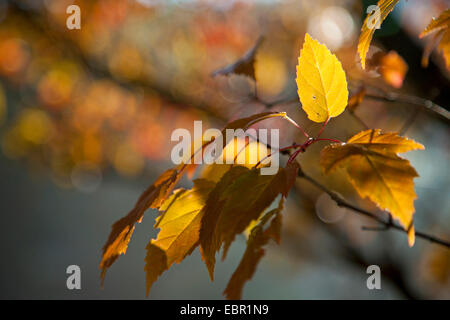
column 254, row 251
column 122, row 229
column 238, row 198
column 245, row 65
column 369, row 26
column 321, row 82
column 376, row 171
column 440, row 27
column 180, row 226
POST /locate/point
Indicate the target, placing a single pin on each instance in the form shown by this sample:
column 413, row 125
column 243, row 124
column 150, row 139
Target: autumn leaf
column 436, row 24
column 393, row 68
column 440, row 27
column 321, row 82
column 356, row 98
column 245, row 65
column 254, row 251
column 238, row 198
column 155, row 195
column 122, row 230
column 373, row 20
column 376, row 171
column 180, row 227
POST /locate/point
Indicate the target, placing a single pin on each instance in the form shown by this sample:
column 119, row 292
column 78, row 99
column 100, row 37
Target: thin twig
column 387, row 224
column 424, row 104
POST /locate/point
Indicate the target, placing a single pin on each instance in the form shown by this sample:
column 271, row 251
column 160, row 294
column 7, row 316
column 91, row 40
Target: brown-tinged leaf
column 369, row 26
column 429, row 47
column 122, row 229
column 179, row 226
column 356, row 98
column 245, row 65
column 153, row 197
column 441, row 27
column 238, row 198
column 257, row 239
column 376, row 171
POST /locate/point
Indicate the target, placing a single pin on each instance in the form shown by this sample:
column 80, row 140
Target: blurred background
column 86, row 118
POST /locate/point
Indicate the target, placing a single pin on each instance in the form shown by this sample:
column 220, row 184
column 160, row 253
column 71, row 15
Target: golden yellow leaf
column 254, row 252
column 376, row 171
column 122, row 229
column 373, row 20
column 180, row 227
column 154, row 196
column 436, row 24
column 321, row 82
column 238, row 198
column 441, row 27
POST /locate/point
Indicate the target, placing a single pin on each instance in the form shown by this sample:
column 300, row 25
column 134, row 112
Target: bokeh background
column 86, row 118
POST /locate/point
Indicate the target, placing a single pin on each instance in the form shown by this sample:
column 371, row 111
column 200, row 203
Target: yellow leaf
column 321, row 82
column 122, row 229
column 254, row 252
column 442, row 22
column 441, row 26
column 238, row 198
column 376, row 171
column 373, row 20
column 154, row 196
column 180, row 226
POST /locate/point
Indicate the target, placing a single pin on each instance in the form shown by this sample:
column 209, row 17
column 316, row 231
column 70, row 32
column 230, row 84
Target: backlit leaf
column 154, row 196
column 245, row 65
column 372, row 21
column 356, row 98
column 376, row 171
column 180, row 227
column 122, row 230
column 441, row 27
column 254, row 252
column 393, row 68
column 238, row 198
column 436, row 24
column 321, row 82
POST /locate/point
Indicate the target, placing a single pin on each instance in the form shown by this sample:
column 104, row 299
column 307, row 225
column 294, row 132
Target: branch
column 381, row 95
column 341, row 202
column 422, row 103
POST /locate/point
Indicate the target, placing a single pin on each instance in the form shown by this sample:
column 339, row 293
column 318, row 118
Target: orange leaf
column 441, row 26
column 376, row 171
column 393, row 68
column 238, row 198
column 122, row 230
column 154, row 196
column 253, row 253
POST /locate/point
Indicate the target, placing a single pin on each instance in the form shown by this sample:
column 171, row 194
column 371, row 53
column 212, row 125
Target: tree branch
column 422, row 103
column 341, row 202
